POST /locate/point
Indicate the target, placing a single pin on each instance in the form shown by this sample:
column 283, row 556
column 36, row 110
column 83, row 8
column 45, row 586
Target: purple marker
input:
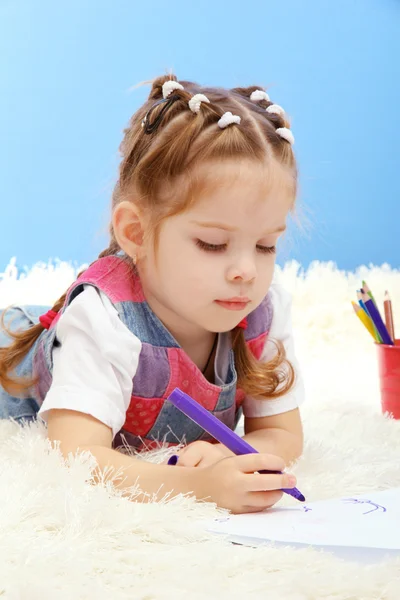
column 219, row 431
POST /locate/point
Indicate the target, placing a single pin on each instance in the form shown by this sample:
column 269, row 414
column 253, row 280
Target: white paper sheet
column 366, row 521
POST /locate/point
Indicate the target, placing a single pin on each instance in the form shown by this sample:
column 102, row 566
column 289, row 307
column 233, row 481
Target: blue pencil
column 376, row 319
column 361, row 303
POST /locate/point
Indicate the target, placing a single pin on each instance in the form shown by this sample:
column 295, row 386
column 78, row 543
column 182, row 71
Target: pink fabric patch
column 116, row 278
column 142, row 414
column 188, row 377
column 257, row 345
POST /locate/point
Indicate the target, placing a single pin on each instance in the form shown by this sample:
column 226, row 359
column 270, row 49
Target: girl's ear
column 128, row 228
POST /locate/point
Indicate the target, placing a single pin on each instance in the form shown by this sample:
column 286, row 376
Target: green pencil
column 368, row 291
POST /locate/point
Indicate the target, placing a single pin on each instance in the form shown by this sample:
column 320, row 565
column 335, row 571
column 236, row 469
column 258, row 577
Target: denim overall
column 163, row 364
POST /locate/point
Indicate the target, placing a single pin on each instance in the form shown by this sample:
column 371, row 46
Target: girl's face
column 215, row 261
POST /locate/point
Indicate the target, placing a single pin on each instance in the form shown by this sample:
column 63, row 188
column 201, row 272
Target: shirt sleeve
column 95, row 363
column 281, row 329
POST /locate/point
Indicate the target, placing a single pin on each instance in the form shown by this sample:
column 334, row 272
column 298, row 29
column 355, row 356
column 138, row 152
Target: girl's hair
column 152, row 161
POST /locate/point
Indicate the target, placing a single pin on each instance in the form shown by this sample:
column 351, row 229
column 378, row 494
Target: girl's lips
column 232, row 305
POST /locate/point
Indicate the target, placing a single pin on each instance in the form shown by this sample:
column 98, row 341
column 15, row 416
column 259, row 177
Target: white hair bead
column 275, row 109
column 228, row 118
column 258, row 95
column 195, row 102
column 286, row 134
column 169, row 86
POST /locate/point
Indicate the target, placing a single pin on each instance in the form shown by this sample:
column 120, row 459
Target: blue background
column 67, row 70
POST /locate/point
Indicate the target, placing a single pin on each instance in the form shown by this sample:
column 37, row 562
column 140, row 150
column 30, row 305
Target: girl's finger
column 190, row 457
column 260, row 500
column 249, row 509
column 249, row 463
column 265, row 483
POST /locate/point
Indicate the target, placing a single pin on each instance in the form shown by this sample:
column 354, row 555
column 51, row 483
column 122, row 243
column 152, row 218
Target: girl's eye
column 210, row 247
column 220, row 247
column 267, row 249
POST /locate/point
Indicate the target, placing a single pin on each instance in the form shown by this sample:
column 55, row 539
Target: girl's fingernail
column 292, row 480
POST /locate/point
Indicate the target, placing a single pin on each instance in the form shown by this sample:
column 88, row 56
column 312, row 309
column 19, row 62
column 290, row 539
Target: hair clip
column 195, row 102
column 275, row 109
column 227, row 119
column 47, row 319
column 258, row 95
column 150, row 127
column 286, row 134
column 169, row 86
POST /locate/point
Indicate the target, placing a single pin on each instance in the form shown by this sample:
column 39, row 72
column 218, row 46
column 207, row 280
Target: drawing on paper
column 365, row 501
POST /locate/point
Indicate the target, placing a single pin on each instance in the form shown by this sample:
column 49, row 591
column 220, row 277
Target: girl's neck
column 209, row 370
column 199, row 344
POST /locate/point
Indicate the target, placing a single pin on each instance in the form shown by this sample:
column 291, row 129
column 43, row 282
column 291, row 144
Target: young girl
column 182, row 297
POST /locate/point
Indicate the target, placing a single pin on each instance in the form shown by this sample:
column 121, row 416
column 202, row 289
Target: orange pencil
column 387, row 304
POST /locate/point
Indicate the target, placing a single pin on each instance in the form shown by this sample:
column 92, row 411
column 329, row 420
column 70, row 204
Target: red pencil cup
column 389, row 378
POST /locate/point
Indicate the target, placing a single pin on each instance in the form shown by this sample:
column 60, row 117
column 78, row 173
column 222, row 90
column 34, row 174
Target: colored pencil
column 387, row 305
column 361, row 303
column 376, row 318
column 365, row 319
column 368, row 291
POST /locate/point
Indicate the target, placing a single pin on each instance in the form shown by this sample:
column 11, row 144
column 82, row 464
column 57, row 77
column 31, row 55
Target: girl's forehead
column 244, row 184
column 266, row 178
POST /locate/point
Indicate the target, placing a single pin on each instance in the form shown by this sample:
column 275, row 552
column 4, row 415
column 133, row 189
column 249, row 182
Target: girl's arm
column 230, row 482
column 281, row 434
column 78, row 431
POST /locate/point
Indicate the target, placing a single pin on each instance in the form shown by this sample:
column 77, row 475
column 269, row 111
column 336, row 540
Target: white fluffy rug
column 63, row 538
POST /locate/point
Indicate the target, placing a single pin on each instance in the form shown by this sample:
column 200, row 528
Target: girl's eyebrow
column 215, row 225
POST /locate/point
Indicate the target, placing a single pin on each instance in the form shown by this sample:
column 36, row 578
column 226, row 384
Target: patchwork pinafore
column 163, row 364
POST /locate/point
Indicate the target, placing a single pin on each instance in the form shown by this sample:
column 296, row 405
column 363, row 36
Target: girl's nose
column 243, row 270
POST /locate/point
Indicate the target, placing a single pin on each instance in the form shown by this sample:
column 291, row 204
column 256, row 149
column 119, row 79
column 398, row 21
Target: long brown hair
column 151, row 163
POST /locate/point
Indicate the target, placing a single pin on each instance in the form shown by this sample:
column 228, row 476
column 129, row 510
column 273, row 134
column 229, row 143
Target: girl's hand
column 201, row 454
column 234, row 483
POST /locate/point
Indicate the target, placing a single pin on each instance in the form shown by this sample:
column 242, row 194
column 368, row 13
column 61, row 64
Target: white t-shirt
column 98, row 357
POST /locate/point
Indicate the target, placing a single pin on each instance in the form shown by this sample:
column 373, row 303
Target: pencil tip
column 366, row 287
